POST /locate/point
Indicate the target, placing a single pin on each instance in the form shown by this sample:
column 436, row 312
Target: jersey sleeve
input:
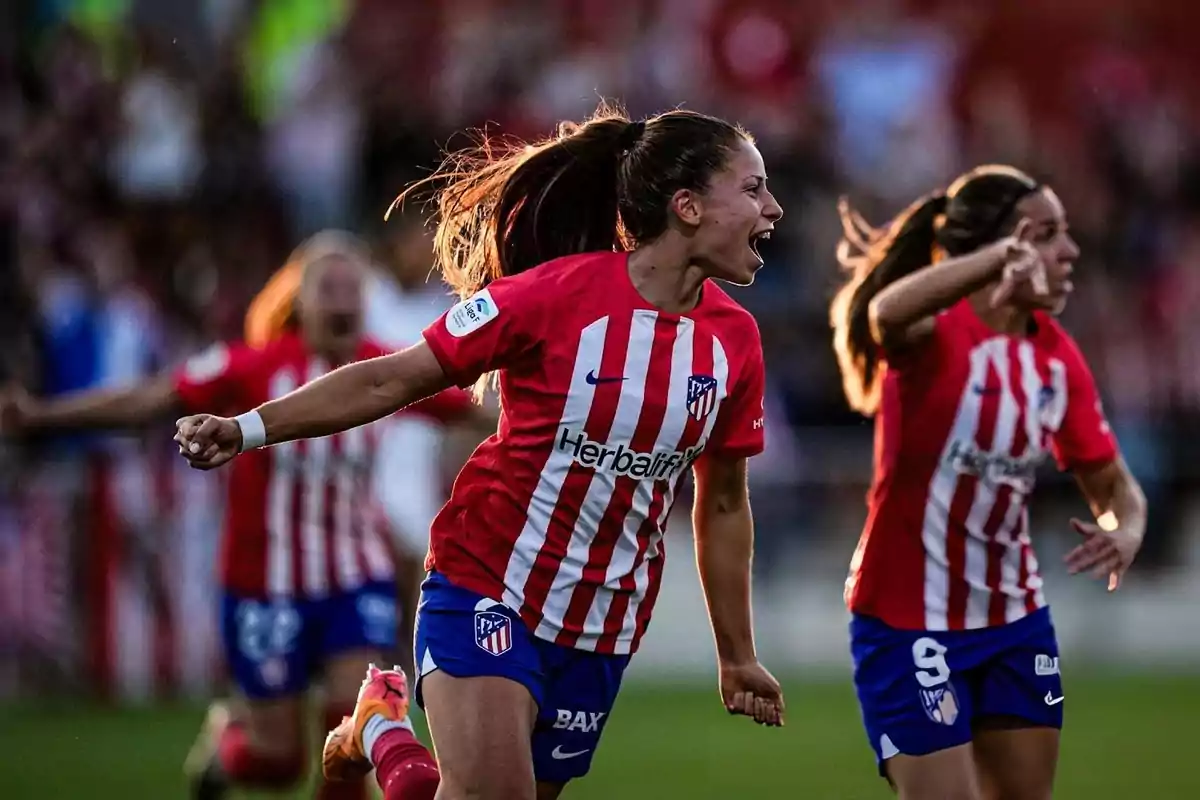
column 740, row 430
column 1084, row 439
column 214, row 380
column 494, row 328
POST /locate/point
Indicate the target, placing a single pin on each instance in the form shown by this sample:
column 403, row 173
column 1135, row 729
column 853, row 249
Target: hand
column 16, row 412
column 1103, row 552
column 1022, row 264
column 750, row 690
column 207, row 441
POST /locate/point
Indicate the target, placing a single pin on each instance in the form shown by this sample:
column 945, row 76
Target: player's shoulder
column 370, row 348
column 726, row 315
column 1056, row 340
column 286, row 348
column 568, row 275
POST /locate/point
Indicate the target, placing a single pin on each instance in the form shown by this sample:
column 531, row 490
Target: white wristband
column 254, row 432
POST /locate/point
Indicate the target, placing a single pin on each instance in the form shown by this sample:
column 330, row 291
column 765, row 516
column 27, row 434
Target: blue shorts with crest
column 920, row 691
column 467, row 635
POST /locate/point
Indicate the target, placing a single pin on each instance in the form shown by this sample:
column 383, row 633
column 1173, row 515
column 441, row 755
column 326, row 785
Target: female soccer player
column 584, row 262
column 946, row 333
column 307, row 577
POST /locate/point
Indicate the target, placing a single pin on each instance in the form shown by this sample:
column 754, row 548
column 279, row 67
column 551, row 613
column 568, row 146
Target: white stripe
column 603, row 484
column 1035, row 580
column 348, row 570
column 280, row 581
column 379, row 563
column 669, row 434
column 312, row 497
column 641, row 577
column 941, row 493
column 1031, row 385
column 1010, row 562
column 979, row 594
column 541, row 505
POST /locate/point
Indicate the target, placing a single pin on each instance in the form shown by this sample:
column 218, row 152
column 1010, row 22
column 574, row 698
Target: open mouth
column 756, row 238
column 342, row 324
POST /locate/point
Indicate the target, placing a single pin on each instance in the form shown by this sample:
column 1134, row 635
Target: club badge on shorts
column 493, row 632
column 940, row 704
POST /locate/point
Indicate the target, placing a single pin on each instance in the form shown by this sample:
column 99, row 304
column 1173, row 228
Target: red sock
column 404, row 767
column 245, row 767
column 339, row 790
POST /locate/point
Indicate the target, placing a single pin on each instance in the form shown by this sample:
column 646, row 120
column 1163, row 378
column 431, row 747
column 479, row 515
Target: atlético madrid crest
column 493, row 632
column 701, row 396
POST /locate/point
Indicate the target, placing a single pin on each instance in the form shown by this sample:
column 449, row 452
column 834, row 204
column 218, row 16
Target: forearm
column 346, row 398
column 119, row 408
column 1125, row 506
column 724, row 548
column 932, row 289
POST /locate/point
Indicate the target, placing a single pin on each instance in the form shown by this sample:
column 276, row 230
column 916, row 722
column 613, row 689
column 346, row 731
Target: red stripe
column 1044, row 375
column 166, row 662
column 295, row 518
column 360, row 503
column 102, row 563
column 647, row 606
column 964, row 498
column 329, row 514
column 997, row 614
column 575, row 486
column 702, row 364
column 612, row 524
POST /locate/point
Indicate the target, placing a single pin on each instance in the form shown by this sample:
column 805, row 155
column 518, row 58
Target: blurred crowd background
column 160, row 158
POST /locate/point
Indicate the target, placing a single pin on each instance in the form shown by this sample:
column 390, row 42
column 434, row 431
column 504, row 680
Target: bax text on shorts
column 621, row 460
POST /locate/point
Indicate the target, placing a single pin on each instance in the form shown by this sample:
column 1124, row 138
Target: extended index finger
column 1024, row 230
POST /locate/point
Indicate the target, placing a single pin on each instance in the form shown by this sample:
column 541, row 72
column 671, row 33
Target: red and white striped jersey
column 605, row 403
column 965, row 420
column 301, row 519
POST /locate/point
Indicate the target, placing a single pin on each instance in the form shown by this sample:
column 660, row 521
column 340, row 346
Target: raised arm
column 346, row 398
column 904, row 310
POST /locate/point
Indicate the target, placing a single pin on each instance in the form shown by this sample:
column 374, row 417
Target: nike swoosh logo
column 558, row 754
column 594, row 381
column 1051, row 700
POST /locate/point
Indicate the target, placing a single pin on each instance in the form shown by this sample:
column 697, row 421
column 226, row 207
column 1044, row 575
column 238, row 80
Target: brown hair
column 504, row 206
column 272, row 312
column 977, row 209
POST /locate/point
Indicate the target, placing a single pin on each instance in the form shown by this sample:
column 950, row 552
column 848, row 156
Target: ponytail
column 504, row 206
column 272, row 311
column 875, row 258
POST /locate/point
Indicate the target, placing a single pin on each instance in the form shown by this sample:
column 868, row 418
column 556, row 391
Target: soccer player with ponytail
column 946, row 334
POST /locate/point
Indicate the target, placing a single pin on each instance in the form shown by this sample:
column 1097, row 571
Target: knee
column 505, row 788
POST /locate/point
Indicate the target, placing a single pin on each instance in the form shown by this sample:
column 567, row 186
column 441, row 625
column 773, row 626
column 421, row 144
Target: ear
column 688, row 207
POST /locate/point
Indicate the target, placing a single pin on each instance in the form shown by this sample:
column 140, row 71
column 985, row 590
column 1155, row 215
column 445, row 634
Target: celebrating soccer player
column 307, row 576
column 946, row 333
column 587, row 265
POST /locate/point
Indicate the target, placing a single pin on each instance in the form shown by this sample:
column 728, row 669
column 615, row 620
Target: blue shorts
column 467, row 636
column 920, row 691
column 275, row 647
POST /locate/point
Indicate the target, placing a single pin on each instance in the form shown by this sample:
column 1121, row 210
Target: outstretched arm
column 106, row 408
column 346, row 398
column 724, row 533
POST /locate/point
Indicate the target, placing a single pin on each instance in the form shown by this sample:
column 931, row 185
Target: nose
column 1072, row 249
column 771, row 209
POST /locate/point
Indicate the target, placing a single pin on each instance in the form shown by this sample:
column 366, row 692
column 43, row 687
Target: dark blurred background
column 160, row 158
